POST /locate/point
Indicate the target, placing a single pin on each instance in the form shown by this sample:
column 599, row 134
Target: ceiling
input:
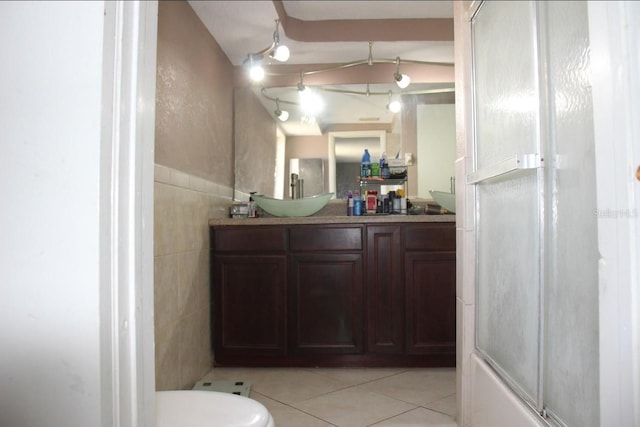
column 332, row 32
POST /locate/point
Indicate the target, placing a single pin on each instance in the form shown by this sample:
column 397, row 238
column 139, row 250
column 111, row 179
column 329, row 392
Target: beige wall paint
column 194, row 111
column 306, row 147
column 193, row 182
column 436, row 151
column 255, row 146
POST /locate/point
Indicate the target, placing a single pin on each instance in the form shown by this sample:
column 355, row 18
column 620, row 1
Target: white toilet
column 199, row 408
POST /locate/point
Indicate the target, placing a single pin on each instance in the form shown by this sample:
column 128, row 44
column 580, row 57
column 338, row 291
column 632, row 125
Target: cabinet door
column 249, row 305
column 385, row 290
column 430, row 279
column 326, row 303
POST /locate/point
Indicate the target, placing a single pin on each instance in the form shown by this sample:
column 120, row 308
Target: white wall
column 436, row 147
column 76, row 177
column 49, row 181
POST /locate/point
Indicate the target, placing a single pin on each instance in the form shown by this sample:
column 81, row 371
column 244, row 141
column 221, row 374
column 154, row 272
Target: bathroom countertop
column 338, row 219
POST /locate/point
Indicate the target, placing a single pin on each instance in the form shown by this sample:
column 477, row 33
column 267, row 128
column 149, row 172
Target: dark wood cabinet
column 334, row 294
column 430, row 303
column 430, row 292
column 249, row 292
column 325, row 289
column 385, row 289
column 326, row 303
column 250, row 304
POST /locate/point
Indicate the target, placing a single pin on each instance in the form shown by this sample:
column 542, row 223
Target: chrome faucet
column 297, row 184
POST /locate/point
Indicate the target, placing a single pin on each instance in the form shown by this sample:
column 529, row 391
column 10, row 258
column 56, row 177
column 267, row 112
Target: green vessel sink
column 293, row 207
column 446, row 200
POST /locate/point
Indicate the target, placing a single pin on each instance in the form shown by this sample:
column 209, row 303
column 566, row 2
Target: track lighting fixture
column 301, row 86
column 402, row 80
column 283, row 115
column 276, row 50
column 309, row 102
column 393, row 106
column 279, row 51
column 254, row 64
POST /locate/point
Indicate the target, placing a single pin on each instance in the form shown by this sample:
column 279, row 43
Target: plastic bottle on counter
column 350, row 204
column 375, row 167
column 357, row 205
column 384, row 167
column 365, row 169
column 403, row 201
column 372, row 197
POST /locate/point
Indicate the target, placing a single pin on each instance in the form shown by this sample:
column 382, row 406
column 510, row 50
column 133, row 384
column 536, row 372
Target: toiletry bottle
column 372, row 197
column 365, row 169
column 357, row 204
column 252, row 211
column 375, row 167
column 401, row 207
column 350, row 204
column 384, row 167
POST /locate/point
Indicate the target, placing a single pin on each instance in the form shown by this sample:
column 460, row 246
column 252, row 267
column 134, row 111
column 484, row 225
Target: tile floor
column 347, row 397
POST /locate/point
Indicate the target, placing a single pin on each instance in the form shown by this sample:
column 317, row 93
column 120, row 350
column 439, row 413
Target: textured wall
column 255, row 145
column 193, row 182
column 194, row 111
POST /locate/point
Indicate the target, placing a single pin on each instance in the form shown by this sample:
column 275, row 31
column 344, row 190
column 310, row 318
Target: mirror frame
column 381, row 134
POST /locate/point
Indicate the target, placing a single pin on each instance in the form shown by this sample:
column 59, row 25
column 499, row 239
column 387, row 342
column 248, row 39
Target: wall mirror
column 341, row 150
column 345, row 151
column 436, row 148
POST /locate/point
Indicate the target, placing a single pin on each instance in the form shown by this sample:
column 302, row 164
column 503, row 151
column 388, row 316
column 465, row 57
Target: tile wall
column 183, row 205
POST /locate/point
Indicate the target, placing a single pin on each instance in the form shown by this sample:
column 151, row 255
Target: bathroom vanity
column 334, row 291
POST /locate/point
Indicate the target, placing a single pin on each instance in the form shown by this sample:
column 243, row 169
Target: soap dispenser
column 252, row 210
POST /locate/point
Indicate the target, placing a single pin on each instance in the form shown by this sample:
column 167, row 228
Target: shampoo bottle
column 365, row 169
column 357, row 205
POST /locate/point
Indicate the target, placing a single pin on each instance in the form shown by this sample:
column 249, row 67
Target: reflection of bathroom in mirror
column 345, row 154
column 436, row 148
column 310, row 177
column 262, row 162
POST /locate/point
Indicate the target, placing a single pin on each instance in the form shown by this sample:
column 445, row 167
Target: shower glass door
column 508, row 216
column 536, row 229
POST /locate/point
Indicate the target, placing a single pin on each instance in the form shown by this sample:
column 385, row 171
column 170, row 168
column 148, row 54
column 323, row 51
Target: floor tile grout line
column 366, row 382
column 355, row 385
column 419, row 405
column 379, row 421
column 393, row 416
column 358, row 385
column 438, row 411
column 297, row 409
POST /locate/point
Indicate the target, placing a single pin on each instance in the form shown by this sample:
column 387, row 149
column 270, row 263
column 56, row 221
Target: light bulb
column 281, row 53
column 256, row 73
column 402, row 80
column 394, row 106
column 310, row 102
column 283, row 116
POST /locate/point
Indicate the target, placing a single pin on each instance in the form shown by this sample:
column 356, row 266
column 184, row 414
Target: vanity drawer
column 325, row 238
column 430, row 237
column 251, row 239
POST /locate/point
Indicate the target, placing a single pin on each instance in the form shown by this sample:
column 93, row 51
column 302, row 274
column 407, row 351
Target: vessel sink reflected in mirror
column 446, row 200
column 293, row 207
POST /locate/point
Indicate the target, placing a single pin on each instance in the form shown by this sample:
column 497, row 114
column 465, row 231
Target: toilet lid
column 199, row 408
